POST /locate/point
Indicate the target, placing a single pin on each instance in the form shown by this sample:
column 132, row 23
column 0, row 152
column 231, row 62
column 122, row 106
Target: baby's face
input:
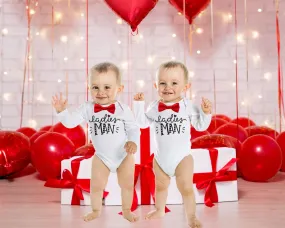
column 104, row 87
column 171, row 84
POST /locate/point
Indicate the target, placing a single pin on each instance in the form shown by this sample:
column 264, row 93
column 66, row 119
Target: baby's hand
column 59, row 103
column 139, row 97
column 130, row 147
column 206, row 106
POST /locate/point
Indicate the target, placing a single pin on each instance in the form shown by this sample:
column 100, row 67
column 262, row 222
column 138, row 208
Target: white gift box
column 226, row 190
column 84, row 172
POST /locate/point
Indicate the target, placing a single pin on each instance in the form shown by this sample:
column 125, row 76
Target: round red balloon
column 223, row 117
column 14, row 152
column 243, row 122
column 281, row 142
column 233, row 130
column 195, row 134
column 76, row 135
column 216, row 123
column 214, row 140
column 132, row 11
column 28, row 131
column 260, row 158
column 48, row 151
column 46, row 128
column 192, row 7
column 36, row 135
column 87, row 150
column 261, row 130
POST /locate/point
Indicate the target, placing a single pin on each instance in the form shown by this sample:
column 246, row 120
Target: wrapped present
column 215, row 175
column 75, row 181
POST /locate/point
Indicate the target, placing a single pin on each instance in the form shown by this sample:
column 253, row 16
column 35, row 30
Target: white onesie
column 172, row 129
column 108, row 131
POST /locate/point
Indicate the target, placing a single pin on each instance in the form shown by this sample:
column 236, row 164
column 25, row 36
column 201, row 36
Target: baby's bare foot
column 155, row 214
column 130, row 216
column 194, row 223
column 91, row 216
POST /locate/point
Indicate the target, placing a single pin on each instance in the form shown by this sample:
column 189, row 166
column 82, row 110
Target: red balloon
column 216, row 123
column 87, row 150
column 281, row 142
column 232, row 130
column 35, row 136
column 28, row 131
column 192, row 7
column 260, row 158
column 76, row 135
column 221, row 116
column 14, row 152
column 48, row 151
column 46, row 128
column 132, row 11
column 261, row 130
column 243, row 122
column 195, row 134
column 216, row 140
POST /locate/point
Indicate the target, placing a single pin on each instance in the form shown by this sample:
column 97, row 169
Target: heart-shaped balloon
column 132, row 11
column 192, row 7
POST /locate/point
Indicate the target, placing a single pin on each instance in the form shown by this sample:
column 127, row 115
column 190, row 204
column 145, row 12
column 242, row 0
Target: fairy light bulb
column 199, row 30
column 259, row 96
column 235, row 61
column 32, row 11
column 40, row 98
column 234, row 84
column 119, row 21
column 4, row 31
column 198, row 52
column 179, row 13
column 240, row 38
column 5, row 72
column 65, row 59
column 7, row 96
column 191, row 74
column 82, row 14
column 267, row 76
column 82, row 59
column 140, row 83
column 37, row 33
column 173, row 57
column 150, row 59
column 255, row 34
column 119, row 42
column 63, row 39
column 259, row 10
column 32, row 123
column 59, row 81
column 173, row 35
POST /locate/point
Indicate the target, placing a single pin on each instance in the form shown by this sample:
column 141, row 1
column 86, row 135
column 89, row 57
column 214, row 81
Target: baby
column 171, row 116
column 114, row 133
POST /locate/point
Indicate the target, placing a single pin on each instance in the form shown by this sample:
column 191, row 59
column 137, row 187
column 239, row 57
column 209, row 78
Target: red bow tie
column 162, row 107
column 111, row 108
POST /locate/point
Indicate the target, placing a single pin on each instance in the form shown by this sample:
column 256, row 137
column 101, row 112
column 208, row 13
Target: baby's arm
column 69, row 120
column 132, row 128
column 72, row 119
column 199, row 119
column 142, row 118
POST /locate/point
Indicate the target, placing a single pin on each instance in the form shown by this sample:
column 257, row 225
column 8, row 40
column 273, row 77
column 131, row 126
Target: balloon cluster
column 44, row 149
column 260, row 149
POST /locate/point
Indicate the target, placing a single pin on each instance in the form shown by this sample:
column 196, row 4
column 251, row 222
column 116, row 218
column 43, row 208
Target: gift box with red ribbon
column 215, row 175
column 75, row 181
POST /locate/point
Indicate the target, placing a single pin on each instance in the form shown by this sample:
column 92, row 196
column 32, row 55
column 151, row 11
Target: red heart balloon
column 192, row 7
column 132, row 11
column 14, row 152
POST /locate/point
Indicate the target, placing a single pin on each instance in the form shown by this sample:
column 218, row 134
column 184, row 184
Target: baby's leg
column 99, row 178
column 184, row 180
column 126, row 181
column 162, row 181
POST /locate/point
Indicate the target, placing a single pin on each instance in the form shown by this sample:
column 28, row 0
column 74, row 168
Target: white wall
column 157, row 42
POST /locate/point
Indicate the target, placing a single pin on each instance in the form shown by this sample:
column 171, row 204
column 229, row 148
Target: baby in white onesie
column 171, row 117
column 114, row 134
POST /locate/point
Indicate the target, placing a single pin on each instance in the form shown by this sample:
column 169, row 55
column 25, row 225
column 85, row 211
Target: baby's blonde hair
column 104, row 68
column 171, row 65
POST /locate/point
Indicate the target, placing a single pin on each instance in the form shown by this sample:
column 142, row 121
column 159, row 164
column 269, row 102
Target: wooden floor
column 25, row 203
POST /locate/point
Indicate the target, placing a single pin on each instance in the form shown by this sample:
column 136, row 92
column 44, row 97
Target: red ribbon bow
column 175, row 107
column 111, row 108
column 69, row 180
column 208, row 181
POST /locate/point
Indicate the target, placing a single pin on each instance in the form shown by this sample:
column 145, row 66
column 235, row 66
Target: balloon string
column 212, row 44
column 190, row 50
column 246, row 58
column 129, row 70
column 280, row 73
column 87, row 56
column 52, row 47
column 236, row 66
